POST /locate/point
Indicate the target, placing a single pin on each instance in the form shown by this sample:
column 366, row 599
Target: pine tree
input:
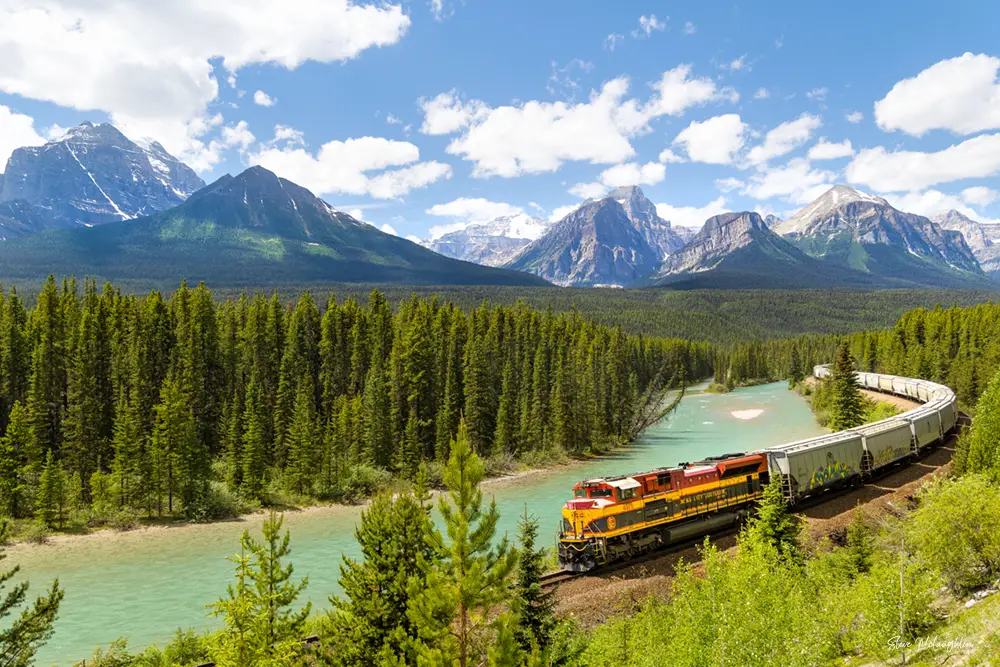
column 301, row 440
column 847, row 409
column 14, row 485
column 260, row 626
column 130, row 466
column 52, row 493
column 506, row 434
column 795, row 372
column 859, row 543
column 182, row 460
column 535, row 606
column 378, row 429
column 255, row 443
column 33, row 626
column 470, row 576
column 773, row 527
column 371, row 618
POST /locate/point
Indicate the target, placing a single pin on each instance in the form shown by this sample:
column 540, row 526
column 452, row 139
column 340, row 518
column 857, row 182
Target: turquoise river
column 143, row 584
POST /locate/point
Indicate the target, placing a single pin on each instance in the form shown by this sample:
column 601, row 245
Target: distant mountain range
column 93, row 202
column 247, row 230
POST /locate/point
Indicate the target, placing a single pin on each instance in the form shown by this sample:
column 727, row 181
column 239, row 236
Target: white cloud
column 855, row 117
column 361, row 166
column 785, row 138
column 16, row 130
column 762, row 94
column 260, row 98
column 797, row 181
column 979, row 195
column 737, row 65
column 729, row 184
column 715, row 141
column 392, row 119
column 536, row 137
column 647, row 24
column 909, row 171
column 467, row 211
column 961, row 95
column 825, row 150
column 238, row 135
column 55, row 131
column 150, row 65
column 389, row 229
column 447, row 113
column 588, row 190
column 691, row 216
column 288, row 136
column 818, row 94
column 561, row 212
column 933, row 202
column 667, row 156
column 474, row 210
column 632, row 173
column 611, row 41
column 357, row 214
column 689, row 28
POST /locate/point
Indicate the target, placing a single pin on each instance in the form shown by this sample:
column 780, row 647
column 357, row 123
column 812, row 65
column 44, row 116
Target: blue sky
column 427, row 115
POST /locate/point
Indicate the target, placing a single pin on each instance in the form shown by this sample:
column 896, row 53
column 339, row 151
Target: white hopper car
column 837, row 459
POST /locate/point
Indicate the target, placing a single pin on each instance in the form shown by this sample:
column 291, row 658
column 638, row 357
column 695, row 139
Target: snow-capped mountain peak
column 826, row 204
column 490, row 243
column 94, row 174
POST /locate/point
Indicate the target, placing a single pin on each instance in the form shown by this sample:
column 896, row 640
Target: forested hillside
column 158, row 406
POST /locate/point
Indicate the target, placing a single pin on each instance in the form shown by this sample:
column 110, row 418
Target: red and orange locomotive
column 619, row 517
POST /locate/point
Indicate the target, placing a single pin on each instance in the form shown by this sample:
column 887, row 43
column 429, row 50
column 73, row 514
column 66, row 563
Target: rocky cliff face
column 493, row 243
column 866, row 233
column 659, row 234
column 982, row 239
column 94, row 175
column 597, row 244
column 721, row 236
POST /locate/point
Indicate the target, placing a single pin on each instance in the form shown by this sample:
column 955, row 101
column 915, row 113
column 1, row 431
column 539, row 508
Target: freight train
column 615, row 518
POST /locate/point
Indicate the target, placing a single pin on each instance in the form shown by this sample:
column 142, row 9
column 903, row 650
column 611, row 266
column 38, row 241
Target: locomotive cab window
column 626, row 494
column 579, row 493
column 600, row 493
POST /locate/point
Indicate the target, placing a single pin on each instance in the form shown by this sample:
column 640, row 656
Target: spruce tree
column 15, row 491
column 773, row 527
column 301, row 440
column 535, row 606
column 469, row 578
column 847, row 406
column 32, row 627
column 371, row 620
column 255, row 442
column 378, row 428
column 795, row 372
column 52, row 493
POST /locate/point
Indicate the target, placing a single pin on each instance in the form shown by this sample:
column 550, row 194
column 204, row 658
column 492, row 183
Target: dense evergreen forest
column 144, row 405
column 718, row 316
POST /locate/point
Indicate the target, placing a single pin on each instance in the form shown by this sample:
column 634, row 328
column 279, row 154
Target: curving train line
column 617, row 518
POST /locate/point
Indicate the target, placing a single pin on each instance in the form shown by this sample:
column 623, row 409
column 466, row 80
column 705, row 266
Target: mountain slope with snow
column 984, row 240
column 94, row 175
column 660, row 235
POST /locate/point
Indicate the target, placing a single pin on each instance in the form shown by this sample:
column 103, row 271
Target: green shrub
column 364, row 481
column 956, row 530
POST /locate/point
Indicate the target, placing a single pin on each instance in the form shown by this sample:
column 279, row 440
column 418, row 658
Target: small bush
column 36, row 532
column 500, row 465
column 364, row 481
column 222, row 503
column 125, row 519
